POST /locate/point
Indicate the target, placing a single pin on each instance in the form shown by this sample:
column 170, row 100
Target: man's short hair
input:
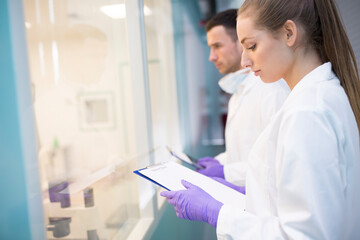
column 227, row 19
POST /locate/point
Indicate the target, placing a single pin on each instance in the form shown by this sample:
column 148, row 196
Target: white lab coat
column 303, row 181
column 251, row 107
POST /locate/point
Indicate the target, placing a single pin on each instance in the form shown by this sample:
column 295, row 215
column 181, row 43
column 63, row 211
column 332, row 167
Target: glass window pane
column 161, row 70
column 84, row 101
column 162, row 79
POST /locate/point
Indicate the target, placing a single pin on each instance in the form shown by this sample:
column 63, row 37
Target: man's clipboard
column 168, row 175
column 185, row 158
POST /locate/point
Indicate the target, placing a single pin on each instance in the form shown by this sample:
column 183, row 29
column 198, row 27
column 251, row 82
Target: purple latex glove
column 194, row 204
column 212, row 167
column 233, row 186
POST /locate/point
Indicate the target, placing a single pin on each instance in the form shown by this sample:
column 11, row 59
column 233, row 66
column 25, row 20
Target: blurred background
column 92, row 90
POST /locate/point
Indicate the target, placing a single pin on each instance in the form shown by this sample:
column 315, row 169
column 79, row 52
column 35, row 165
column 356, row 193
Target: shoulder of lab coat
column 240, row 83
column 260, row 102
column 309, row 187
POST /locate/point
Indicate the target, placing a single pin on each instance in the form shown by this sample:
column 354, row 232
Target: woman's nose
column 245, row 60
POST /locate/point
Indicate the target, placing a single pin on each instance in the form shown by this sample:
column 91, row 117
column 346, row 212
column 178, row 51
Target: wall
column 349, row 10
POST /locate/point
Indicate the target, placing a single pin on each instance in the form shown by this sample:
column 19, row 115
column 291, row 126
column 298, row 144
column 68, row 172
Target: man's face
column 224, row 51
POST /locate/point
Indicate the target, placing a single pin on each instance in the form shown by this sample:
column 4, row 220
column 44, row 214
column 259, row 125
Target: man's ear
column 290, row 32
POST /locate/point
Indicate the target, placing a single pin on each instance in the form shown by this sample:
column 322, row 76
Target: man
column 251, row 105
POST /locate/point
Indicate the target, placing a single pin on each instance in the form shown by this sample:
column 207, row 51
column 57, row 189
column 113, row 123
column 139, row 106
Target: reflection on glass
column 96, row 111
column 83, row 101
column 117, row 11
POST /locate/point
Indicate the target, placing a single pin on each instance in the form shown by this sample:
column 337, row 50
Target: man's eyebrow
column 214, row 43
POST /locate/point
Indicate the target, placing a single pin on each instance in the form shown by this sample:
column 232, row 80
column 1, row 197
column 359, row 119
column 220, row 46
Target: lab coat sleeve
column 308, row 181
column 235, row 223
column 236, row 172
column 310, row 175
column 221, row 157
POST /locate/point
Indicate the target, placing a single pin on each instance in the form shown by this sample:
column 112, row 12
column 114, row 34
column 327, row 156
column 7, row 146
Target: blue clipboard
column 149, row 179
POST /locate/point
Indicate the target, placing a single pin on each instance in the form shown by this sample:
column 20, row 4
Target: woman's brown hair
column 325, row 33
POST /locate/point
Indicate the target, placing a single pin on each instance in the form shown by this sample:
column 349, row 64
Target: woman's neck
column 304, row 62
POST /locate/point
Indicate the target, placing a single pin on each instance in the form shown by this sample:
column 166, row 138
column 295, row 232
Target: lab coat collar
column 319, row 74
column 231, row 82
column 248, row 83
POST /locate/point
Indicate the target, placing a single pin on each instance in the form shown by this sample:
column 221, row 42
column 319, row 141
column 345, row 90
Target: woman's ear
column 290, row 32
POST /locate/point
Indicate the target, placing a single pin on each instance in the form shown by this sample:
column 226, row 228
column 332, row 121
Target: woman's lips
column 257, row 72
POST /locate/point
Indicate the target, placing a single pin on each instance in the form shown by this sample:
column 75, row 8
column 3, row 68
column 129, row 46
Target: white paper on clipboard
column 170, row 174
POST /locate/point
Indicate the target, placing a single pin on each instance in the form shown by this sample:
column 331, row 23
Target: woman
column 303, row 178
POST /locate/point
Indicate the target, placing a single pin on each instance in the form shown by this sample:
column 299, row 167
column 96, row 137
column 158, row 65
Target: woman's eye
column 252, row 47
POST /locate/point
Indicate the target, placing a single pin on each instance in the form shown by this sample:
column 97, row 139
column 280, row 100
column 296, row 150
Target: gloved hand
column 194, row 204
column 233, row 186
column 212, row 167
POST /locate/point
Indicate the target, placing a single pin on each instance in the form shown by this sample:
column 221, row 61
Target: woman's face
column 267, row 54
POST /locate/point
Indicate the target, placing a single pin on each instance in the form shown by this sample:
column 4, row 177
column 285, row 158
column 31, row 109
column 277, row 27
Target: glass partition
column 161, row 73
column 162, row 80
column 85, row 103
